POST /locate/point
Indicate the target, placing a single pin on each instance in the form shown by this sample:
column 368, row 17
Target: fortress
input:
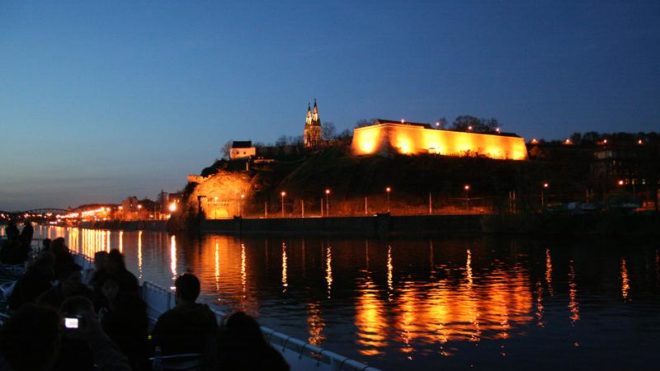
column 409, row 138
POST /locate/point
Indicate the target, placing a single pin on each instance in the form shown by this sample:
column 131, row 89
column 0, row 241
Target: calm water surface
column 423, row 304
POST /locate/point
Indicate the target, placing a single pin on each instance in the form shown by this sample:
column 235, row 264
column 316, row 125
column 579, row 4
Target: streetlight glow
column 388, row 190
column 466, row 188
column 327, row 201
column 172, row 207
column 545, row 186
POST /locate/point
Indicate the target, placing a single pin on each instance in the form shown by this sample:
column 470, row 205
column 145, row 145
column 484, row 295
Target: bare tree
column 226, row 150
column 328, row 130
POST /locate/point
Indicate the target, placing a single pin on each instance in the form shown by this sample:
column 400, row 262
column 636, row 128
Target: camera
column 73, row 323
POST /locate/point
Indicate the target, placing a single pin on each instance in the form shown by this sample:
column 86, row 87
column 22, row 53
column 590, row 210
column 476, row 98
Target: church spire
column 315, row 115
column 308, row 119
column 312, row 132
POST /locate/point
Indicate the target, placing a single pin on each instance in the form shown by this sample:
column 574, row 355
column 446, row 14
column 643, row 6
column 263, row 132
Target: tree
column 226, row 150
column 441, row 123
column 281, row 141
column 475, row 124
column 328, row 131
column 464, row 122
column 576, row 138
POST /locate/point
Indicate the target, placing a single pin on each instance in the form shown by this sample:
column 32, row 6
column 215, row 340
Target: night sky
column 100, row 100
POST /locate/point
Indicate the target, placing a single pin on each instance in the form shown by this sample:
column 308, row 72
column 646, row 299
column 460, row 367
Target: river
column 468, row 303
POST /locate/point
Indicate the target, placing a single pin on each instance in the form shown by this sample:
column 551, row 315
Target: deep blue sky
column 100, row 100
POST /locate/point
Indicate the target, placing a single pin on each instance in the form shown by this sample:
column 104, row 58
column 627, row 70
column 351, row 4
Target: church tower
column 312, row 133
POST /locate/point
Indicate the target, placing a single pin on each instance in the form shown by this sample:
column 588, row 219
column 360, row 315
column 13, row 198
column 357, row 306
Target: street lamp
column 282, row 195
column 172, row 207
column 466, row 188
column 387, row 191
column 240, row 206
column 327, row 201
column 545, row 186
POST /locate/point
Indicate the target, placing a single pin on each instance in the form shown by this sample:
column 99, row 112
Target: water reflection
column 216, row 266
column 468, row 269
column 370, row 319
column 407, row 304
column 573, row 305
column 139, row 252
column 539, row 305
column 173, row 256
column 285, row 277
column 121, row 241
column 548, row 271
column 315, row 324
column 390, row 274
column 243, row 272
column 328, row 271
column 625, row 281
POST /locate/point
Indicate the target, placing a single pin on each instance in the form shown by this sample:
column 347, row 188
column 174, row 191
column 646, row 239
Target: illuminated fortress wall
column 411, row 139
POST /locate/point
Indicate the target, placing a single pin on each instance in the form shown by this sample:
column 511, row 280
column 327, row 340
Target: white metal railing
column 299, row 354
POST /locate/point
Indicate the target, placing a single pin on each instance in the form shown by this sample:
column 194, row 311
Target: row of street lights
column 388, row 190
column 327, row 193
column 327, row 201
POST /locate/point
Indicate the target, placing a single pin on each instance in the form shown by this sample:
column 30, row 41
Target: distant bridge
column 53, row 211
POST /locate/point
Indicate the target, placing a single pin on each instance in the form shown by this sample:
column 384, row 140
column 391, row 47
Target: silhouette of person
column 189, row 327
column 125, row 321
column 242, row 346
column 11, row 230
column 64, row 263
column 34, row 282
column 27, row 233
column 30, row 339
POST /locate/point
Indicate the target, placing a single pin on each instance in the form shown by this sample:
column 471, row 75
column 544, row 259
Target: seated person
column 116, row 267
column 69, row 286
column 64, row 263
column 126, row 323
column 30, row 339
column 35, row 282
column 242, row 346
column 189, row 327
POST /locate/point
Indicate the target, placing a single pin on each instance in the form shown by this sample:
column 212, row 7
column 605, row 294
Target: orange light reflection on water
column 539, row 305
column 548, row 271
column 448, row 310
column 315, row 323
column 625, row 281
column 173, row 256
column 573, row 305
column 390, row 274
column 121, row 241
column 370, row 320
column 139, row 254
column 285, row 279
column 328, row 271
column 243, row 272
